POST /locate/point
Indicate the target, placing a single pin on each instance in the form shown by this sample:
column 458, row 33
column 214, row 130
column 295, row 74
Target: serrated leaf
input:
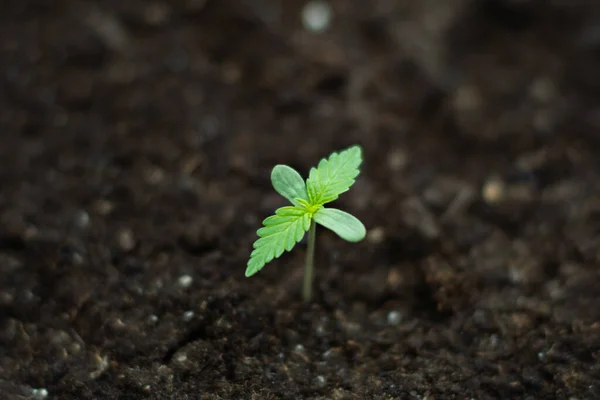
column 288, row 183
column 347, row 226
column 280, row 232
column 334, row 175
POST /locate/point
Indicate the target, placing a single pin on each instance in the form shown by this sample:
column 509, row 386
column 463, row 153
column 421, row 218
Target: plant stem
column 310, row 260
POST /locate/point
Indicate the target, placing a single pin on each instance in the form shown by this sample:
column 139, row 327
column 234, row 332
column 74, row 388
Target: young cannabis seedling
column 332, row 177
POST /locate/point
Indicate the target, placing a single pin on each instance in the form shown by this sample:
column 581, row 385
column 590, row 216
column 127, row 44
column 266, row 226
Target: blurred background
column 136, row 143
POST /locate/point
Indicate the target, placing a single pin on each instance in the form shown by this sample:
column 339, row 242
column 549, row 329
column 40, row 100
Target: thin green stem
column 310, row 260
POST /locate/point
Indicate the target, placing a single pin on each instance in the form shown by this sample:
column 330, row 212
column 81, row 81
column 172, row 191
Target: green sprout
column 332, row 177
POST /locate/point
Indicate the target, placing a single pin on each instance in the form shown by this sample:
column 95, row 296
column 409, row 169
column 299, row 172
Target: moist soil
column 136, row 144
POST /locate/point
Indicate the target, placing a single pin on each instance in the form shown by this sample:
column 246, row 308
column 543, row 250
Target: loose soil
column 136, row 144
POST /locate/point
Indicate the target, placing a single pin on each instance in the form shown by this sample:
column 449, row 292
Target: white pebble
column 188, row 315
column 39, row 393
column 185, row 281
column 82, row 219
column 299, row 348
column 394, row 317
column 316, row 16
column 320, row 382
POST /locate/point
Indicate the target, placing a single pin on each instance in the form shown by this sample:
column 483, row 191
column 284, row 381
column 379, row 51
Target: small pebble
column 376, row 235
column 320, row 382
column 397, row 159
column 188, row 315
column 154, row 175
column 39, row 393
column 316, row 16
column 6, row 298
column 82, row 219
column 103, row 207
column 118, row 324
column 493, row 190
column 126, row 239
column 299, row 348
column 185, row 281
column 467, row 98
column 394, row 317
column 543, row 89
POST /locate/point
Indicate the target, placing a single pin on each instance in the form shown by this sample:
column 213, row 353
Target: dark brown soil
column 136, row 144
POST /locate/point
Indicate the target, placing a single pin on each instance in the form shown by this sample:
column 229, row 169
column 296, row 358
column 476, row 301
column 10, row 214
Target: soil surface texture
column 136, row 144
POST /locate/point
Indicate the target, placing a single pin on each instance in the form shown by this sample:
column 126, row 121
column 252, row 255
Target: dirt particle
column 467, row 99
column 154, row 175
column 104, row 207
column 417, row 216
column 543, row 89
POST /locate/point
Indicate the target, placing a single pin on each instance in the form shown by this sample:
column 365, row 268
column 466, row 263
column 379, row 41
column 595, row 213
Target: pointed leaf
column 347, row 226
column 288, row 183
column 334, row 176
column 280, row 233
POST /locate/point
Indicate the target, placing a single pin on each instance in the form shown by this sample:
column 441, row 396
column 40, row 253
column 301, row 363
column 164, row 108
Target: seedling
column 332, row 177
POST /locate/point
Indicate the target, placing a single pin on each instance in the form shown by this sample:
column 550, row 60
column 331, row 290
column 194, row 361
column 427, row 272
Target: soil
column 136, row 144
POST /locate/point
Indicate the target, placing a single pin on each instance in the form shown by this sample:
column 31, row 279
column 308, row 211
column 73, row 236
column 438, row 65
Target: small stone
column 543, row 89
column 126, row 240
column 394, row 317
column 154, row 175
column 316, row 16
column 320, row 382
column 185, row 281
column 376, row 235
column 39, row 393
column 188, row 315
column 394, row 279
column 493, row 190
column 299, row 348
column 6, row 299
column 118, row 324
column 467, row 98
column 104, row 207
column 397, row 159
column 82, row 219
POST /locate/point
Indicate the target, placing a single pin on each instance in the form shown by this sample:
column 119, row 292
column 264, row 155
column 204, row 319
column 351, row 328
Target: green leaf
column 280, row 232
column 347, row 226
column 288, row 183
column 333, row 176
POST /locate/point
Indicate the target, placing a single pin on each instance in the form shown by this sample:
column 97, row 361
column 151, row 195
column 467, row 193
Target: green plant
column 332, row 177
